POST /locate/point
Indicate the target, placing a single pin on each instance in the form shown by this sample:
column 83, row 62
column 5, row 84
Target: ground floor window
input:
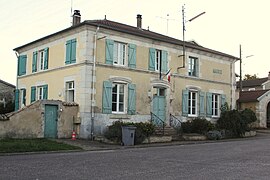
column 70, row 91
column 215, row 104
column 192, row 103
column 118, row 98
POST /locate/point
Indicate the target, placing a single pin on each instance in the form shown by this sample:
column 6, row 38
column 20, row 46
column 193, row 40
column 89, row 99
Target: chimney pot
column 139, row 21
column 76, row 18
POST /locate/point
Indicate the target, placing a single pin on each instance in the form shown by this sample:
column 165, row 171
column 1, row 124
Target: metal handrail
column 157, row 121
column 175, row 122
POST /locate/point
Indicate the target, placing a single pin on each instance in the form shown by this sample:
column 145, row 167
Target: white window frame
column 21, row 97
column 192, row 66
column 120, row 54
column 118, row 85
column 215, row 105
column 157, row 60
column 40, row 92
column 41, row 60
column 191, row 104
column 70, row 89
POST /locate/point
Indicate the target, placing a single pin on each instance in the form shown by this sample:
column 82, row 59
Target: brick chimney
column 139, row 21
column 76, row 18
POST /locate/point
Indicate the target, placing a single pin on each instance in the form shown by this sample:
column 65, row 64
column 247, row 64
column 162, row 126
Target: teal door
column 51, row 115
column 159, row 105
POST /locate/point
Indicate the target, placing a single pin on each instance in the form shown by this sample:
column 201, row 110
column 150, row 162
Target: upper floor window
column 119, row 53
column 40, row 60
column 193, row 66
column 71, row 51
column 158, row 60
column 70, row 92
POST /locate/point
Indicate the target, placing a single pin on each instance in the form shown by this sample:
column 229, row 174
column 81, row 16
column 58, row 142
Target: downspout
column 93, row 85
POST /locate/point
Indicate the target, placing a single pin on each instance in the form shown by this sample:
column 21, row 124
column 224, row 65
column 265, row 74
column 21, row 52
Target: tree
column 250, row 77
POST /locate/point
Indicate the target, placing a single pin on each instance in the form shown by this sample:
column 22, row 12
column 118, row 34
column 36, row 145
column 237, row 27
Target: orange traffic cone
column 73, row 135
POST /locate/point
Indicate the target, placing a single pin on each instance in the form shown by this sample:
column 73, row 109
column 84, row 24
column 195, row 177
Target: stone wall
column 29, row 121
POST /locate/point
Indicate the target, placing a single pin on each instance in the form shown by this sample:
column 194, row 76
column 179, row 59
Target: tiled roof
column 252, row 82
column 251, row 96
column 150, row 34
column 107, row 24
column 6, row 83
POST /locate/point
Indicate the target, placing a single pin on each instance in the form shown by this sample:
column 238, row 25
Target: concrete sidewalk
column 89, row 145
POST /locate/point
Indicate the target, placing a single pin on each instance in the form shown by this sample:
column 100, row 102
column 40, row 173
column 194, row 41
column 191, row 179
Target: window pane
column 121, row 98
column 113, row 106
column 121, row 107
column 114, row 97
column 121, row 88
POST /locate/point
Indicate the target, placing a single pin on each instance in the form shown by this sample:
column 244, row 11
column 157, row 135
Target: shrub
column 143, row 130
column 197, row 125
column 214, row 135
column 236, row 122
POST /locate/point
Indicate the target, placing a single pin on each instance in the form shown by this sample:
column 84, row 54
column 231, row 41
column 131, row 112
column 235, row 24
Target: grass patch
column 32, row 145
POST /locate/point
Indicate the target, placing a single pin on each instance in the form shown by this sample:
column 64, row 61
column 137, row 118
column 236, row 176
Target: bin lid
column 129, row 127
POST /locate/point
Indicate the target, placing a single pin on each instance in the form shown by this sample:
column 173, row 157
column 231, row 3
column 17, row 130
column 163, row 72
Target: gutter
column 93, row 85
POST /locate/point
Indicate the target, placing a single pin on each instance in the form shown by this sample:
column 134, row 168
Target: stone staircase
column 168, row 131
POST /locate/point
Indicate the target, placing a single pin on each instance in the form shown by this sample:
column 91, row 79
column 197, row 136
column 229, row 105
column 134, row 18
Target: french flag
column 168, row 74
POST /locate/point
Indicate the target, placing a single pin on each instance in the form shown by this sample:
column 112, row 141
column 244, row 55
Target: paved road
column 245, row 159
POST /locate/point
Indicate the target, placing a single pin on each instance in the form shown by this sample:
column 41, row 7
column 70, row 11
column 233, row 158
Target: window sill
column 119, row 116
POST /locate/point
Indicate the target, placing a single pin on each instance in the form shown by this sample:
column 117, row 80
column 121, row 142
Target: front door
column 51, row 117
column 159, row 105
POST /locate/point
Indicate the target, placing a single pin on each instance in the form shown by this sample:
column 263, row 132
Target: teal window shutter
column 202, row 109
column 132, row 55
column 46, row 51
column 34, row 61
column 109, row 51
column 209, row 104
column 107, row 97
column 68, row 52
column 33, row 94
column 164, row 61
column 152, row 57
column 45, row 92
column 223, row 99
column 197, row 67
column 73, row 51
column 22, row 65
column 131, row 99
column 185, row 102
column 17, row 97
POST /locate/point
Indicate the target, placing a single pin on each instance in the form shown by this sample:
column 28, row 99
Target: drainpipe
column 93, row 84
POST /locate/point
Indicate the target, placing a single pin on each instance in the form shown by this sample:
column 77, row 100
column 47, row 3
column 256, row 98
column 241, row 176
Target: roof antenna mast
column 71, row 4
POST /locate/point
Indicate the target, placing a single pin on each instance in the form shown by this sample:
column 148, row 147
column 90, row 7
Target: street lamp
column 241, row 82
column 184, row 29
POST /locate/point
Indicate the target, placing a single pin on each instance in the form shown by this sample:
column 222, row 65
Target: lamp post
column 184, row 29
column 241, row 81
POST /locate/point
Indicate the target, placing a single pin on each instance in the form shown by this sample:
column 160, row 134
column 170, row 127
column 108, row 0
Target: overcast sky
column 225, row 25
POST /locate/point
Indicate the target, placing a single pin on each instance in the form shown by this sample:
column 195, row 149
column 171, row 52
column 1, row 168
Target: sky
column 225, row 25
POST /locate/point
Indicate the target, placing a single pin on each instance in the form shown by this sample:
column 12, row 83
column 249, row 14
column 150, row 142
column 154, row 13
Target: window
column 40, row 92
column 70, row 91
column 158, row 60
column 40, row 60
column 192, row 103
column 215, row 105
column 119, row 53
column 118, row 98
column 71, row 51
column 22, row 97
column 193, row 66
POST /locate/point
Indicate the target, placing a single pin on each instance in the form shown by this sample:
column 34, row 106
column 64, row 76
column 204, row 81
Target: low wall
column 29, row 121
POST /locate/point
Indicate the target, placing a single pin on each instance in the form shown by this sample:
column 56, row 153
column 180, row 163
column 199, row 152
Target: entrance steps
column 168, row 131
